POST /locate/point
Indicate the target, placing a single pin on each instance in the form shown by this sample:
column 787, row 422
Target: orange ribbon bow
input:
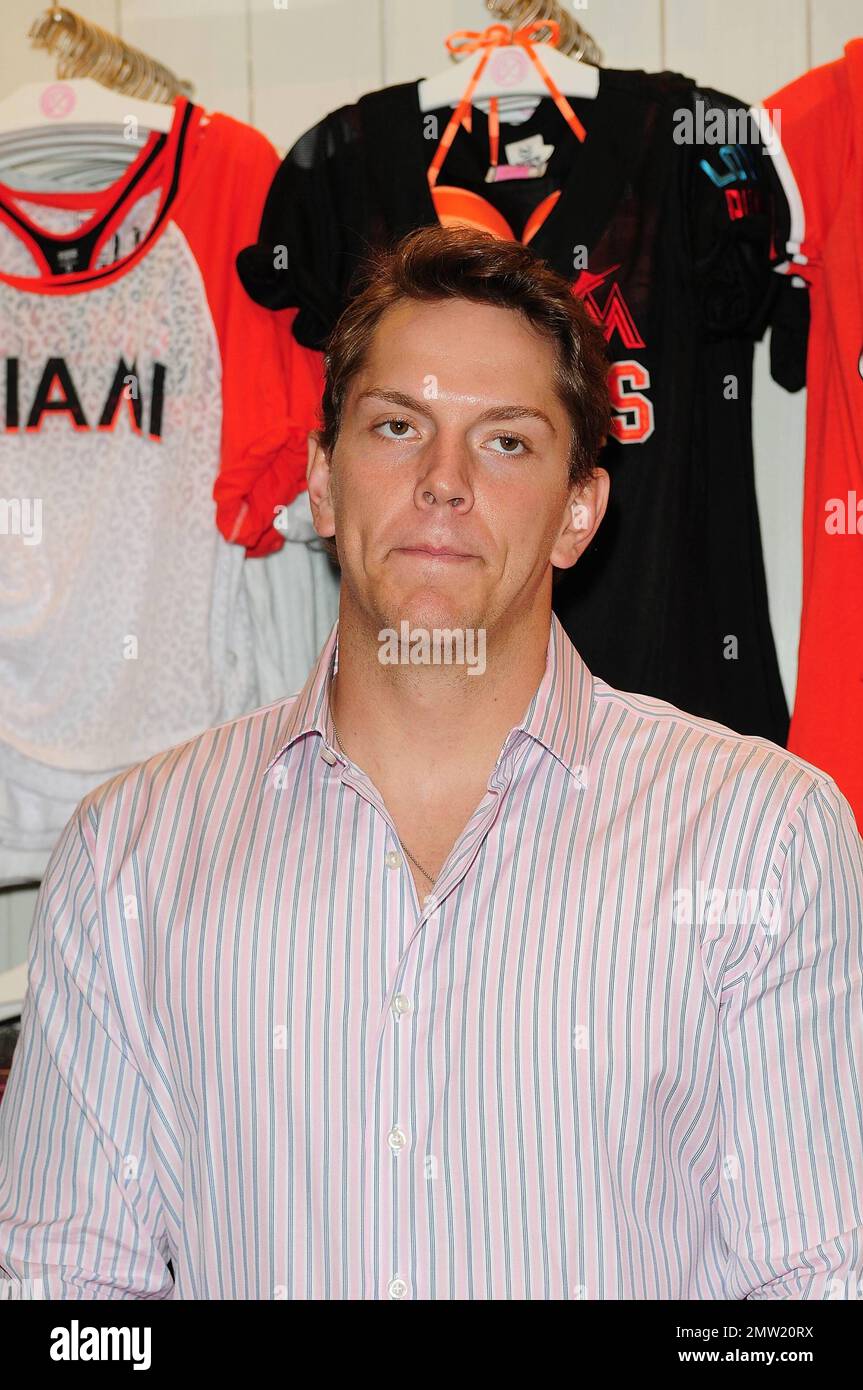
column 463, row 41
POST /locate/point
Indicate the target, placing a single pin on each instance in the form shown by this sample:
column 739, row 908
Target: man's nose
column 445, row 476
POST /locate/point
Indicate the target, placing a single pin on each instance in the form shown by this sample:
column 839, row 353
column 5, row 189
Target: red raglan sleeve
column 812, row 124
column 271, row 385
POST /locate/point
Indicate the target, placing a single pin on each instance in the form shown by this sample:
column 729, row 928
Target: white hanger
column 511, row 88
column 40, row 104
column 73, row 134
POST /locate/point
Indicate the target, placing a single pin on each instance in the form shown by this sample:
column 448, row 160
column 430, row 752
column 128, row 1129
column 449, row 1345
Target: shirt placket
column 397, row 1043
column 397, row 1103
column 396, row 1161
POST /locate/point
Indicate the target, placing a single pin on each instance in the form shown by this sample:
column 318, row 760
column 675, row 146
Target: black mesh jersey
column 671, row 243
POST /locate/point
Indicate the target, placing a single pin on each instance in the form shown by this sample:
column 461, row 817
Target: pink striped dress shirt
column 617, row 1053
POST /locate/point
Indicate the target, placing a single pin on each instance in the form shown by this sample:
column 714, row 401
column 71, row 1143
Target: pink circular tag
column 508, row 66
column 58, row 100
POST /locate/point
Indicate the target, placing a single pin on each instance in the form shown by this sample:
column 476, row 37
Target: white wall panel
column 414, row 34
column 745, row 48
column 630, row 35
column 832, row 24
column 204, row 41
column 310, row 58
column 778, row 432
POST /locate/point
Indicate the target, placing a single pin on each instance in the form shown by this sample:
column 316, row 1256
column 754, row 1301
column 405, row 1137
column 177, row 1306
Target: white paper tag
column 531, row 151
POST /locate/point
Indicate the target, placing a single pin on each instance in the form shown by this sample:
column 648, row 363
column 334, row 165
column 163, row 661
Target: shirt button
column 397, row 1288
column 396, row 1139
column 392, row 859
column 401, row 1005
column 328, row 756
column 429, row 902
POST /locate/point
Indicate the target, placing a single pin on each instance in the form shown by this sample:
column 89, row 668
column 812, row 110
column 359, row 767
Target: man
column 460, row 974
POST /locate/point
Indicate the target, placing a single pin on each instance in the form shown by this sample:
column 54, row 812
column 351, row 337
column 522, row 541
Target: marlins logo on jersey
column 673, row 261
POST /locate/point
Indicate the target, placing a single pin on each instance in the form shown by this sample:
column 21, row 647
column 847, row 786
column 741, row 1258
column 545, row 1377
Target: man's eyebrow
column 517, row 412
column 395, row 398
column 494, row 412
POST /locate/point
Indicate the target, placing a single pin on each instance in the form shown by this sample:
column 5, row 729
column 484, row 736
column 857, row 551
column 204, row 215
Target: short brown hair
column 459, row 263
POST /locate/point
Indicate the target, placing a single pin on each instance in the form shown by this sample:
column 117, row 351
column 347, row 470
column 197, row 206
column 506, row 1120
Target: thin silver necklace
column 404, row 847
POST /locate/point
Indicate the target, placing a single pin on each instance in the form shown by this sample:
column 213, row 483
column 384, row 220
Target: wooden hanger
column 574, row 41
column 85, row 49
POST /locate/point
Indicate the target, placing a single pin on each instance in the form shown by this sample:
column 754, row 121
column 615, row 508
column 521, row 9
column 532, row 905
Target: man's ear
column 584, row 511
column 319, row 480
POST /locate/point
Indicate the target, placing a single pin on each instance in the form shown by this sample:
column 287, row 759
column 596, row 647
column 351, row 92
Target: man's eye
column 398, row 427
column 510, row 444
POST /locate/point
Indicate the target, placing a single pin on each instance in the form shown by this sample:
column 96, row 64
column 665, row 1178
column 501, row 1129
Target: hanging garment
column 294, row 601
column 9, row 1033
column 819, row 124
column 670, row 245
column 151, row 419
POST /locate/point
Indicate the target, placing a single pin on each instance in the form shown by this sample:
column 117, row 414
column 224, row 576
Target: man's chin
column 429, row 609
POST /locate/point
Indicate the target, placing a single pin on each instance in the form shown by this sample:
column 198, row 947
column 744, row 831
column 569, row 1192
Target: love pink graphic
column 57, row 100
column 508, row 66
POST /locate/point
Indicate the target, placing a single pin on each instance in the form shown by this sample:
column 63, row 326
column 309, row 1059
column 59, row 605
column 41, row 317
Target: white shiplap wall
column 282, row 64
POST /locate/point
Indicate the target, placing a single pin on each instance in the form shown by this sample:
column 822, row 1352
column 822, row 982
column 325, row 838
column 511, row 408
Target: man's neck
column 433, row 726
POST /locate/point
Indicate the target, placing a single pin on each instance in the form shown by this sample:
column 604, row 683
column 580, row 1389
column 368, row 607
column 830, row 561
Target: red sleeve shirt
column 271, row 385
column 819, row 125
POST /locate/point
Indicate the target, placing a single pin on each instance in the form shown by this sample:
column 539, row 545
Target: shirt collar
column 558, row 716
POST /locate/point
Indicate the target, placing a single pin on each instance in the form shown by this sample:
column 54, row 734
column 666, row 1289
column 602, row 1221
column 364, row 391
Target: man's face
column 448, row 486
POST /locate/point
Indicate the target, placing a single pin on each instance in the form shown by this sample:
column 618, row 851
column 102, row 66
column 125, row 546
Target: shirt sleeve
column 80, row 1209
column 737, row 217
column 791, row 1063
column 812, row 121
column 314, row 229
column 789, row 334
column 263, row 474
column 270, row 384
column 807, row 117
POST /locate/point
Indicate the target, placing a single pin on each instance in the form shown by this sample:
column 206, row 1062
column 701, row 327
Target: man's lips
column 434, row 552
